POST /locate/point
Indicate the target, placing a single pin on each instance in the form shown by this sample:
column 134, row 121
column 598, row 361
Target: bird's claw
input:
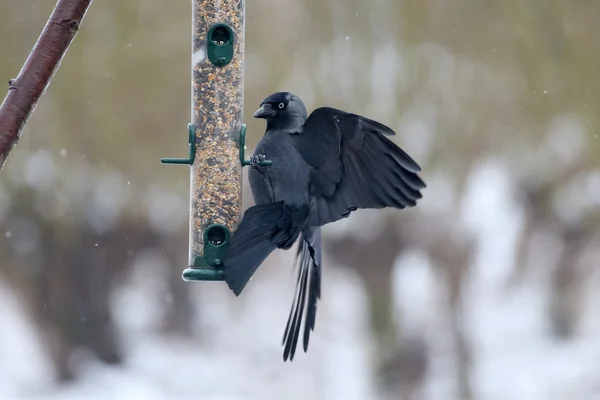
column 256, row 159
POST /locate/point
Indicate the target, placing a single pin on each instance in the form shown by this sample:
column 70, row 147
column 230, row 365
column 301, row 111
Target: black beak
column 265, row 111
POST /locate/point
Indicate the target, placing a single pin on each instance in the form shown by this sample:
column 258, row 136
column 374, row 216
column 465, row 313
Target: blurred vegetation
column 461, row 82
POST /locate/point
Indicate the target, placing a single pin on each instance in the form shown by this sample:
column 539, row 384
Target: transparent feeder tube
column 217, row 103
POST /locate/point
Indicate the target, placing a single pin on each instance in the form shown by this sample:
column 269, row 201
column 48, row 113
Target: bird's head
column 282, row 110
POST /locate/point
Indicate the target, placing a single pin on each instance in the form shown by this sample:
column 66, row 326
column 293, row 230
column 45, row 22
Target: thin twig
column 26, row 89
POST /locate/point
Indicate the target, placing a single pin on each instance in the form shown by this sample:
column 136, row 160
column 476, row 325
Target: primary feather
column 355, row 166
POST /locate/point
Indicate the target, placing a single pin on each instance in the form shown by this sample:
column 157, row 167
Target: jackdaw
column 324, row 166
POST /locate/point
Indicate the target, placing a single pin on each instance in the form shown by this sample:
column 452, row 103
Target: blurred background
column 489, row 289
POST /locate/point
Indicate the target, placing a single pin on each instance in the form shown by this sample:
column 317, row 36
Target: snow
column 235, row 352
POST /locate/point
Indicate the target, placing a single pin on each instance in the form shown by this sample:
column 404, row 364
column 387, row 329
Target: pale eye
column 281, row 105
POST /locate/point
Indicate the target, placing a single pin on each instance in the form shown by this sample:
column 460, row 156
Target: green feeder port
column 220, row 41
column 208, row 267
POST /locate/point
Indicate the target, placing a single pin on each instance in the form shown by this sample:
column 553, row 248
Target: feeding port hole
column 220, row 36
column 216, row 235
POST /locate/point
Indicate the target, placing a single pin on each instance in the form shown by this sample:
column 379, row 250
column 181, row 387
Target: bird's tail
column 264, row 228
column 308, row 292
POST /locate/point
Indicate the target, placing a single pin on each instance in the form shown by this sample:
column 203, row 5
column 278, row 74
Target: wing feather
column 355, row 165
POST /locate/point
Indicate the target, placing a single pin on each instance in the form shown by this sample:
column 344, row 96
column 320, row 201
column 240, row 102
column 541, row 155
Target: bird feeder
column 216, row 135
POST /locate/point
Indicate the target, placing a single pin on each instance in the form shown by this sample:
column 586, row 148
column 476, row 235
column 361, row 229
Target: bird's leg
column 255, row 160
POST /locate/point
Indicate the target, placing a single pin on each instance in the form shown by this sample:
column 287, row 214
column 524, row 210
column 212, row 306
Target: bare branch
column 26, row 89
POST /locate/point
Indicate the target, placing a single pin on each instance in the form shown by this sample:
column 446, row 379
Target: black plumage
column 324, row 167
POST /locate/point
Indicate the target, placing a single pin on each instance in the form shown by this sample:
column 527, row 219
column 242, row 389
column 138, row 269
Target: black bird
column 324, row 166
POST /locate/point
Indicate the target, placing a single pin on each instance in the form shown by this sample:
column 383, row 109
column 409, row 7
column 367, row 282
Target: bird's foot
column 256, row 159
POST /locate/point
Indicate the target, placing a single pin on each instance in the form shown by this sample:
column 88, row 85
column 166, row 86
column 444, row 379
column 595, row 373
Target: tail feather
column 251, row 244
column 264, row 228
column 308, row 291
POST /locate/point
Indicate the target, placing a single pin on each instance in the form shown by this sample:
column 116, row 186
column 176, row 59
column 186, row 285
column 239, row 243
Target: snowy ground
column 239, row 356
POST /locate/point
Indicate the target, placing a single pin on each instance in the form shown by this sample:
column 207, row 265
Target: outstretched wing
column 354, row 166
